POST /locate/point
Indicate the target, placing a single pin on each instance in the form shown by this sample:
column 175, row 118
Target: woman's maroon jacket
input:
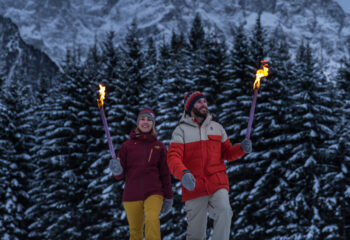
column 145, row 168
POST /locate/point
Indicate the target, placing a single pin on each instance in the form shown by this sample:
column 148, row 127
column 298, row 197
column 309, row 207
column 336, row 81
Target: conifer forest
column 54, row 176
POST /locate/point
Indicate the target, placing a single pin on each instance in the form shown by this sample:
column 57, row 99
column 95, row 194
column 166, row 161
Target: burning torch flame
column 102, row 96
column 260, row 74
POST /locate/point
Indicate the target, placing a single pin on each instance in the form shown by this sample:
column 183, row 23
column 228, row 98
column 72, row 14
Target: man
column 196, row 156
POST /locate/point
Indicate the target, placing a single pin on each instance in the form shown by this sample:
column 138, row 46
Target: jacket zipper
column 150, row 155
column 143, row 169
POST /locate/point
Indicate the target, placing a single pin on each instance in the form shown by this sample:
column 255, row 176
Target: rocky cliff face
column 52, row 26
column 20, row 60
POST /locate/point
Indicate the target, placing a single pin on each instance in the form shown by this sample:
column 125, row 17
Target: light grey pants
column 219, row 209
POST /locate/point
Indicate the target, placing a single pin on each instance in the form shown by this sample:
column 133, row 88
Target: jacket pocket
column 214, row 168
column 215, row 163
column 154, row 156
column 221, row 178
column 214, row 149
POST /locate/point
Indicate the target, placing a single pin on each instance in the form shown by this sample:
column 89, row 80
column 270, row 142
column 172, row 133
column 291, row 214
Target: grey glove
column 188, row 181
column 115, row 166
column 167, row 205
column 246, row 145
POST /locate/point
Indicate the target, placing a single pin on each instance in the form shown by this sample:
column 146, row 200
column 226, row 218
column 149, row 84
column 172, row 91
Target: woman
column 147, row 192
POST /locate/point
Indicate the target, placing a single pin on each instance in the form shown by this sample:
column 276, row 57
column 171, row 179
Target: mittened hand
column 246, row 145
column 115, row 167
column 167, row 205
column 188, row 181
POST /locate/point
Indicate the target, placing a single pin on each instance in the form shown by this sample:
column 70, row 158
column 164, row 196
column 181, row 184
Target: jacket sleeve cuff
column 119, row 177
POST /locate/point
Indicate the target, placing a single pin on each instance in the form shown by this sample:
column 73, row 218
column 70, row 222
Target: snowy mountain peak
column 21, row 60
column 52, row 26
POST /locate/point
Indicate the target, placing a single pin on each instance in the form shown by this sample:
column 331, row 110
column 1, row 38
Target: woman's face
column 145, row 124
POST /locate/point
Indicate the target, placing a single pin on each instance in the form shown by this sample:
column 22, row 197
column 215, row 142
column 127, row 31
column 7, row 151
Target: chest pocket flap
column 214, row 144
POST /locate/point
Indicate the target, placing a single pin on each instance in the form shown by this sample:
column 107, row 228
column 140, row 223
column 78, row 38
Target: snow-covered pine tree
column 82, row 93
column 172, row 69
column 2, row 80
column 258, row 46
column 96, row 210
column 269, row 149
column 170, row 106
column 114, row 102
column 149, row 72
column 311, row 122
column 62, row 157
column 215, row 72
column 257, row 214
column 18, row 101
column 234, row 117
column 196, row 54
column 72, row 133
column 197, row 34
column 113, row 222
column 332, row 182
column 342, row 156
column 49, row 191
column 8, row 210
column 343, row 146
column 276, row 106
column 131, row 75
column 164, row 66
column 11, row 210
column 237, row 89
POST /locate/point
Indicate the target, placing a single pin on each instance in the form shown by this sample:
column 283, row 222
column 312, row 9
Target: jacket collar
column 143, row 137
column 186, row 119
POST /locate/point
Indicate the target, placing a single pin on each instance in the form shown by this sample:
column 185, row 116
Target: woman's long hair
column 153, row 131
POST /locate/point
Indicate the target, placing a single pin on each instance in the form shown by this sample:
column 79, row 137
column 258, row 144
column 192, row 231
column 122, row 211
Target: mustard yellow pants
column 144, row 213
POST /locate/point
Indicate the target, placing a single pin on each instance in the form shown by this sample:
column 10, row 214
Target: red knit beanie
column 148, row 113
column 191, row 98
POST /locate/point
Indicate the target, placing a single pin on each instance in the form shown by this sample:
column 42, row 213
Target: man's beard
column 198, row 113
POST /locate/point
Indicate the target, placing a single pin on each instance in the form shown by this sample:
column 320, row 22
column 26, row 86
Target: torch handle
column 251, row 115
column 105, row 125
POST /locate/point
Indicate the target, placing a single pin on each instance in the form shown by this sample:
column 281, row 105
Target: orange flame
column 260, row 74
column 102, row 96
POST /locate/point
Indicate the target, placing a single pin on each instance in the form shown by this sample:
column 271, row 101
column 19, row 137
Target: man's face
column 200, row 108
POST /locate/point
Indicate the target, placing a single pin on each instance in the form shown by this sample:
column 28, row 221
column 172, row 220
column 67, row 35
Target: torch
column 104, row 120
column 259, row 74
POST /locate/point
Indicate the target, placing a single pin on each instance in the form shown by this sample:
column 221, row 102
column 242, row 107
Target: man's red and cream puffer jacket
column 201, row 149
